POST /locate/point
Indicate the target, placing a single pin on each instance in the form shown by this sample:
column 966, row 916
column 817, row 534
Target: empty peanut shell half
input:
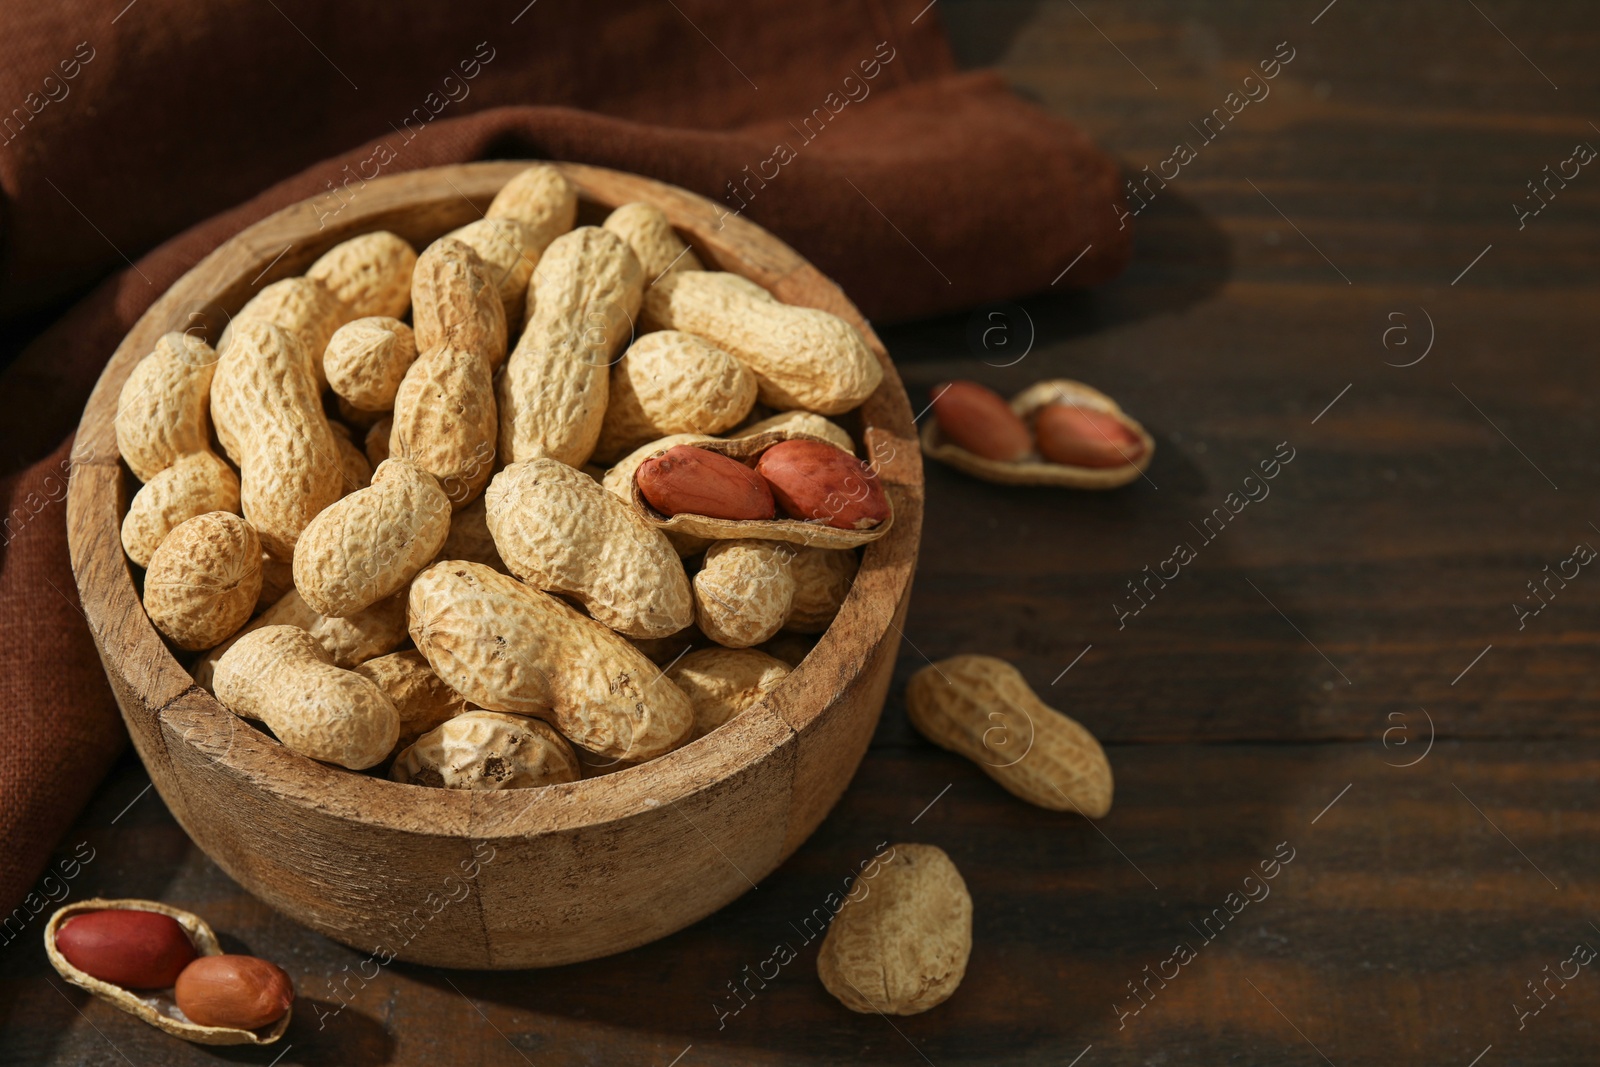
column 1133, row 444
column 156, row 1006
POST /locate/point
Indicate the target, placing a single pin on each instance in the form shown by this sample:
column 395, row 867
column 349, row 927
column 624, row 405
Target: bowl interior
column 421, row 206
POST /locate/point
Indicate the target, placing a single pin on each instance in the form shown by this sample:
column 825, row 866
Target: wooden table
column 1341, row 675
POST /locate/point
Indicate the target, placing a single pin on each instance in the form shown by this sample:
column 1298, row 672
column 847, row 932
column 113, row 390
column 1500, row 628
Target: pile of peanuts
column 400, row 548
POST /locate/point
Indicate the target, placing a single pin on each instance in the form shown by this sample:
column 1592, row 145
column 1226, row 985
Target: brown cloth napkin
column 843, row 127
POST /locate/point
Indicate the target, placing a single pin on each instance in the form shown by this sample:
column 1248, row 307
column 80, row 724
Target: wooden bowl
column 521, row 878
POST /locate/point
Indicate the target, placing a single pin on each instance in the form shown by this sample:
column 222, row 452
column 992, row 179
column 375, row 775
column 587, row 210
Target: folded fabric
column 839, row 126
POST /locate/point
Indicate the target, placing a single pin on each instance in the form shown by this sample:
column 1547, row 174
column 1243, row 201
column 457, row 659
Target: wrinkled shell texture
column 650, row 234
column 900, row 943
column 370, row 274
column 366, row 360
column 268, row 413
column 506, row 647
column 203, row 580
column 488, row 750
column 299, row 306
column 542, row 198
column 559, row 531
column 420, row 697
column 802, row 422
column 822, row 580
column 670, row 382
column 722, row 682
column 744, row 591
column 355, row 472
column 368, row 545
column 162, row 410
column 802, row 357
column 349, row 641
column 470, row 539
column 554, row 391
column 195, row 484
column 283, row 677
column 510, row 251
column 445, row 421
column 454, row 301
column 982, row 708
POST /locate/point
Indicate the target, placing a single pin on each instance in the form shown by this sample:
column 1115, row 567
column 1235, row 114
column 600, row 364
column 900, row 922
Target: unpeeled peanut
column 299, row 306
column 283, row 676
column 470, row 539
column 203, row 579
column 241, row 992
column 455, row 302
column 802, row 357
column 162, row 409
column 349, row 641
column 369, row 274
column 900, row 943
column 510, row 250
column 376, row 445
column 420, row 697
column 670, row 382
column 355, row 472
column 981, row 707
column 507, row 647
column 541, row 197
column 268, row 414
column 367, row 359
column 488, row 750
column 722, row 682
column 744, row 591
column 822, row 579
column 559, row 531
column 368, row 545
column 649, row 233
column 814, row 481
column 193, row 485
column 445, row 420
column 980, row 421
column 127, row 947
column 808, row 423
column 555, row 387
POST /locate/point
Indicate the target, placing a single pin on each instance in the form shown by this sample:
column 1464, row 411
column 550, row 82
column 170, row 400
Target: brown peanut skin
column 268, row 414
column 1080, row 437
column 126, row 947
column 901, row 942
column 455, row 302
column 163, row 407
column 979, row 420
column 816, row 482
column 693, row 480
column 241, row 992
column 203, row 580
column 445, row 421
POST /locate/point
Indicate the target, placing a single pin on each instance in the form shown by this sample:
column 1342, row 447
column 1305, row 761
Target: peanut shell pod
column 981, row 707
column 748, row 450
column 1033, row 469
column 488, row 750
column 156, row 1007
